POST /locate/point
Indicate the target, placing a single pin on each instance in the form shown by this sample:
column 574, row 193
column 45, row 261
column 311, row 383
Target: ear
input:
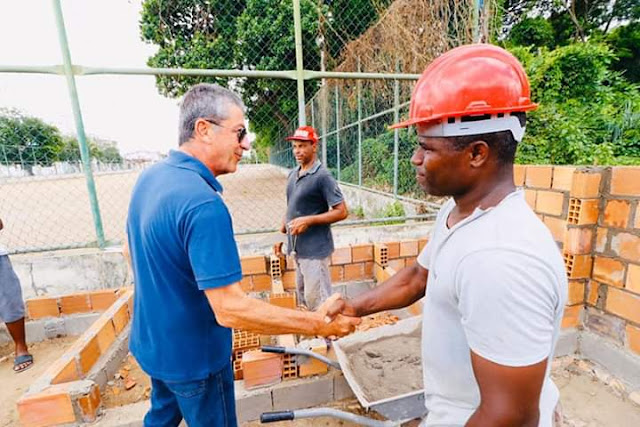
column 200, row 129
column 478, row 153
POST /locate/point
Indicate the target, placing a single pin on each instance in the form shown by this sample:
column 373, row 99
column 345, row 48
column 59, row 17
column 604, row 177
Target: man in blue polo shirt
column 187, row 270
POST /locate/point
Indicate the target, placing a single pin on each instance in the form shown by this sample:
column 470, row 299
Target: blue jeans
column 208, row 402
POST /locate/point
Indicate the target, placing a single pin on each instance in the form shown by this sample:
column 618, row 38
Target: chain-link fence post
column 77, row 115
column 297, row 28
column 337, row 131
column 396, row 131
column 359, row 96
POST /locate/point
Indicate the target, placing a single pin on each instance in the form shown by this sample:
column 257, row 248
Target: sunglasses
column 241, row 133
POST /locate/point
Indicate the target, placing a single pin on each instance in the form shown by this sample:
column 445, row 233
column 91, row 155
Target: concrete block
column 54, row 328
column 604, row 324
column 341, row 289
column 76, row 325
column 341, row 389
column 303, row 393
column 34, row 331
column 251, row 404
column 567, row 343
column 619, row 362
column 109, row 363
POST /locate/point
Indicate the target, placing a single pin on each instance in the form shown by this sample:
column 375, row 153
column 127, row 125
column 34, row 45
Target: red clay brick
column 397, row 264
column 572, row 316
column 562, row 178
column 557, row 226
column 101, row 300
column 578, row 241
column 120, row 318
column 254, row 265
column 616, row 213
column 260, row 368
column 549, row 202
column 519, row 174
column 583, row 211
column 409, row 248
column 608, row 270
column 586, row 184
column 246, row 284
column 624, row 304
column 289, row 280
column 381, row 254
column 314, row 366
column 40, row 307
column 422, row 243
column 261, row 282
column 89, row 404
column 360, row 253
column 578, row 266
column 576, row 292
column 341, row 256
column 394, row 249
column 530, row 197
column 368, row 270
column 633, row 338
column 76, row 303
column 539, row 176
column 105, row 333
column 625, row 181
column 626, row 246
column 354, row 271
column 46, row 409
column 633, row 278
column 285, row 300
column 89, row 354
column 601, row 239
column 63, row 370
column 337, row 273
column 592, row 293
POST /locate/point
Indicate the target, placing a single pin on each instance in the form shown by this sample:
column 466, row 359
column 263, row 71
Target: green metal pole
column 297, row 28
column 337, row 131
column 396, row 134
column 359, row 95
column 77, row 115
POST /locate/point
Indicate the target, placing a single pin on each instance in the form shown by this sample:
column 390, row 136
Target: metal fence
column 344, row 66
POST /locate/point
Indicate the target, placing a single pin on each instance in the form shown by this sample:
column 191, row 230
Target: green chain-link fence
column 356, row 60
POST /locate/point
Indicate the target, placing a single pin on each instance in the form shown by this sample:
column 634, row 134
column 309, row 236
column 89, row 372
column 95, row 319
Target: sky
column 101, row 33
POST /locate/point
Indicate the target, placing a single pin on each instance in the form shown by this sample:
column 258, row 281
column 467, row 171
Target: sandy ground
column 14, row 385
column 48, row 212
column 116, row 393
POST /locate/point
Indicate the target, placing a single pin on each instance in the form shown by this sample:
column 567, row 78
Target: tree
column 28, row 141
column 625, row 42
column 532, row 32
column 250, row 35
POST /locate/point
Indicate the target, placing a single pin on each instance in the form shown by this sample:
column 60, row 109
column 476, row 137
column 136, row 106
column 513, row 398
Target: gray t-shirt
column 497, row 285
column 311, row 193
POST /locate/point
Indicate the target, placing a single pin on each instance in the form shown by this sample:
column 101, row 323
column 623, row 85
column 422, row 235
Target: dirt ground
column 46, row 212
column 14, row 385
column 131, row 385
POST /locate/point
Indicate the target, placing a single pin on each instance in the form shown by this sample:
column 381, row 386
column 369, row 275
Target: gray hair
column 205, row 100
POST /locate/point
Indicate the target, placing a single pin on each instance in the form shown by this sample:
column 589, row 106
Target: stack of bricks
column 86, row 302
column 255, row 275
column 243, row 341
column 63, row 394
column 391, row 257
column 289, row 365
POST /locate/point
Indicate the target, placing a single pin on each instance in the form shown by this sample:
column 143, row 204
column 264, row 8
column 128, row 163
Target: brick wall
column 594, row 215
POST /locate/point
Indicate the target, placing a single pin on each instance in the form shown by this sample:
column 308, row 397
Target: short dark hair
column 502, row 142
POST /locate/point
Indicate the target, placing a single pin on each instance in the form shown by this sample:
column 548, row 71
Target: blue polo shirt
column 181, row 243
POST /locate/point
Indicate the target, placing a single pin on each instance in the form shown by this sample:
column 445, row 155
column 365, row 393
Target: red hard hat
column 304, row 133
column 471, row 80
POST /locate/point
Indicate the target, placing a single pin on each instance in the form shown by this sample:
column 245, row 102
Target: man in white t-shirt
column 492, row 276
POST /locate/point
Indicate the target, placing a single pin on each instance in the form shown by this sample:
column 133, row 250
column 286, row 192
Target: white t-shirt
column 497, row 285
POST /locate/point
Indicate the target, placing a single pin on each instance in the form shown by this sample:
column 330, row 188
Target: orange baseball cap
column 304, row 133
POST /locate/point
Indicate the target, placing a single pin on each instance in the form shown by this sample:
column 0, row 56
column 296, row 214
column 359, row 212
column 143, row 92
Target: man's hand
column 299, row 225
column 283, row 228
column 340, row 326
column 344, row 324
column 335, row 305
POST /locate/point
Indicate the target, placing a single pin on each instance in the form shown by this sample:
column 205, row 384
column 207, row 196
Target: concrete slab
column 303, row 393
column 615, row 359
column 77, row 324
column 250, row 404
column 341, row 389
column 567, row 342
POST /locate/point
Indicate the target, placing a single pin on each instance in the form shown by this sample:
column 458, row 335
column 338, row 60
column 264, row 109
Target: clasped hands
column 339, row 317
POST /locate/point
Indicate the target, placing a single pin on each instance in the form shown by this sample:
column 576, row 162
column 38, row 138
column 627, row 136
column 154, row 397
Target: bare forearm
column 403, row 289
column 329, row 217
column 260, row 317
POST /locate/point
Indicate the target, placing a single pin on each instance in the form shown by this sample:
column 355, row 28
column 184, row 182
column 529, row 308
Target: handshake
column 339, row 317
